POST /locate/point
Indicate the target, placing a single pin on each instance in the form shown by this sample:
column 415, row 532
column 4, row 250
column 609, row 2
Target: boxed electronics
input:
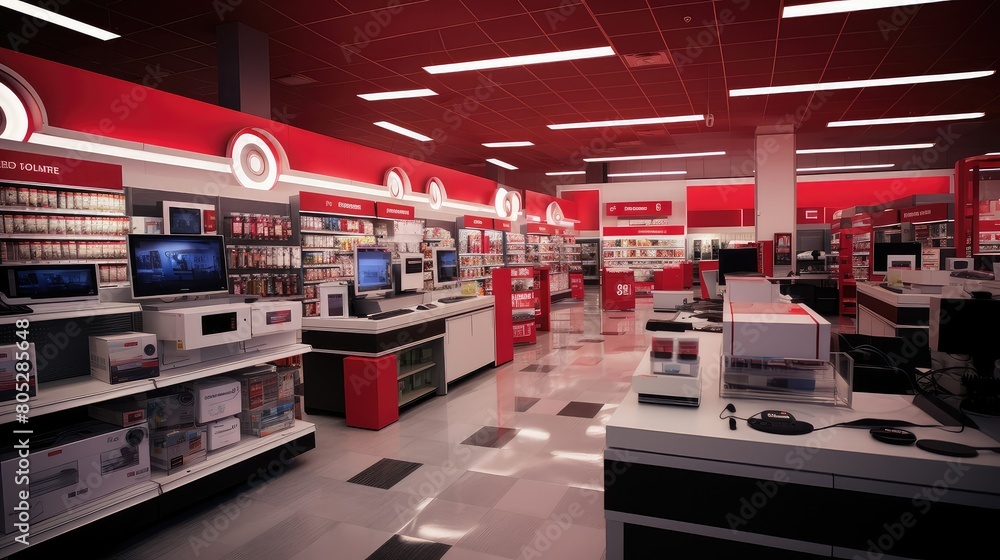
column 191, row 334
column 788, row 330
column 270, row 418
column 174, row 449
column 673, row 373
column 674, row 355
column 789, row 379
column 126, row 411
column 117, row 358
column 263, row 384
column 751, row 289
column 170, row 406
column 274, row 324
column 13, row 381
column 222, row 432
column 72, row 467
column 216, row 398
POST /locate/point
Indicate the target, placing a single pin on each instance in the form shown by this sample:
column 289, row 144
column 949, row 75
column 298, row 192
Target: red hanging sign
column 394, row 211
column 926, row 213
column 544, row 229
column 886, row 218
column 654, row 208
column 477, row 222
column 643, row 230
column 50, row 170
column 502, row 225
column 327, row 204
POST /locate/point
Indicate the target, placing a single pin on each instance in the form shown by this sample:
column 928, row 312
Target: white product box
column 667, row 300
column 751, row 289
column 683, row 390
column 673, row 367
column 127, row 411
column 223, row 432
column 13, row 381
column 780, row 330
column 118, row 358
column 176, row 448
column 70, row 468
column 171, row 406
column 216, row 398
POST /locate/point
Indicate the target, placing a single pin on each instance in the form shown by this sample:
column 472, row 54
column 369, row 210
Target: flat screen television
column 162, row 266
column 48, row 283
column 445, row 266
column 741, row 261
column 372, row 270
column 881, row 252
column 184, row 221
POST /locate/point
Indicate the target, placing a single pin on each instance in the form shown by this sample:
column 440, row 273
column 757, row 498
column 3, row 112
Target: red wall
column 588, row 206
column 536, row 203
column 864, row 192
column 720, row 206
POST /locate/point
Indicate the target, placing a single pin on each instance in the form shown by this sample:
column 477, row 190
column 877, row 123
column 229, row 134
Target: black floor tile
column 399, row 547
column 491, row 436
column 611, row 333
column 591, row 340
column 385, row 473
column 539, row 368
column 581, row 409
column 522, row 404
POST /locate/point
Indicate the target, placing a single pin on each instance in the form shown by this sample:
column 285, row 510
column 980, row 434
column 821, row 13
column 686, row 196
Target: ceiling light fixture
column 404, row 131
column 58, row 19
column 649, row 173
column 845, row 167
column 906, row 120
column 500, row 163
column 866, row 148
column 507, row 144
column 841, row 6
column 628, row 122
column 655, row 156
column 561, row 173
column 508, row 61
column 403, row 94
column 850, row 84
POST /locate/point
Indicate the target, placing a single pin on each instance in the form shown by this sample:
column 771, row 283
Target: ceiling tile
column 702, row 15
column 611, row 6
column 638, row 43
column 580, row 39
column 511, row 28
column 628, row 23
column 303, row 12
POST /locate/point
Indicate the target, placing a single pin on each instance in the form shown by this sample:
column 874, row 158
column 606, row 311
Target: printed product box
column 173, row 449
column 273, row 417
column 118, row 358
column 170, row 407
column 13, row 381
column 127, row 411
column 223, row 432
column 216, row 398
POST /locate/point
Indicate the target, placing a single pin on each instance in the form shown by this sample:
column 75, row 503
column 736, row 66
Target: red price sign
column 624, row 290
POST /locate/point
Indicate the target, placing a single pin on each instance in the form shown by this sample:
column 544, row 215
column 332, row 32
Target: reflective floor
column 507, row 465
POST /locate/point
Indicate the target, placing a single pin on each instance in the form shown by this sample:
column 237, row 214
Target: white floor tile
column 529, row 497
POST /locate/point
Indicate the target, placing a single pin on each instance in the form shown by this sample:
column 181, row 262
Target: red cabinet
column 371, row 391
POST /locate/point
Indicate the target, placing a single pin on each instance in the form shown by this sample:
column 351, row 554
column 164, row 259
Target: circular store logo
column 254, row 158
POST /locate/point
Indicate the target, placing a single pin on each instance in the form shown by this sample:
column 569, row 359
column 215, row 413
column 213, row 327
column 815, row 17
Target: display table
column 435, row 346
column 678, row 478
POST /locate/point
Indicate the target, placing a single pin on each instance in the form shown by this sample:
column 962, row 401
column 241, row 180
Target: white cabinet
column 469, row 343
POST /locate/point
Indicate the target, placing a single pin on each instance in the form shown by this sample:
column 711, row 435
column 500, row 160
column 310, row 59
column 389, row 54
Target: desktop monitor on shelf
column 48, row 283
column 162, row 266
column 372, row 271
column 741, row 261
column 445, row 267
column 882, row 251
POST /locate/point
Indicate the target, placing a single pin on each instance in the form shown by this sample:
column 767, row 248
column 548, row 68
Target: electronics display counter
column 433, row 347
column 883, row 312
column 678, row 477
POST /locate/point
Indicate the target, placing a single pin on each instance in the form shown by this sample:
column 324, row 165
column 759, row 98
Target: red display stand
column 576, row 285
column 670, row 279
column 543, row 299
column 371, row 391
column 514, row 300
column 617, row 289
column 704, row 266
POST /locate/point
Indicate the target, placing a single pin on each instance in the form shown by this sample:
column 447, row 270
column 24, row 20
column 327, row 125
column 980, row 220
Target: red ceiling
column 362, row 46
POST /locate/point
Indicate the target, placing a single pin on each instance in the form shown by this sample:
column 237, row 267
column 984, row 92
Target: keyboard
column 14, row 309
column 388, row 314
column 455, row 299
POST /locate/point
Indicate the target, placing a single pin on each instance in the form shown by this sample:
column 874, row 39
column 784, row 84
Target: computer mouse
column 894, row 436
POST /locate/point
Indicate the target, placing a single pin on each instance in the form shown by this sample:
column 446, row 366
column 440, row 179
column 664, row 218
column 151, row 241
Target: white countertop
column 372, row 326
column 909, row 297
column 699, row 433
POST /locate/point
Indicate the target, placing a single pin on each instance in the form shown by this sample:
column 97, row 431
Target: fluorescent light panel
column 403, row 94
column 655, row 156
column 866, row 148
column 846, row 167
column 841, row 6
column 851, row 84
column 906, row 120
column 500, row 163
column 507, row 144
column 628, row 122
column 404, row 131
column 560, row 173
column 650, row 173
column 58, row 19
column 509, row 61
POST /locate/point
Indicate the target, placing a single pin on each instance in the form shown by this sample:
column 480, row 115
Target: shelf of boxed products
column 264, row 270
column 478, row 252
column 246, row 228
column 989, row 242
column 64, row 394
column 933, row 238
column 861, row 256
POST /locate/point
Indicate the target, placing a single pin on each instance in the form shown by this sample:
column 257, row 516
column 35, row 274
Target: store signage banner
column 394, row 211
column 650, row 230
column 314, row 202
column 638, row 209
column 478, row 222
column 927, row 213
column 812, row 215
column 545, row 229
column 502, row 225
column 886, row 218
column 50, row 170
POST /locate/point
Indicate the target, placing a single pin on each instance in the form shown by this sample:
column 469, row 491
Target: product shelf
column 223, row 365
column 406, row 371
column 65, row 211
column 81, row 237
column 415, row 394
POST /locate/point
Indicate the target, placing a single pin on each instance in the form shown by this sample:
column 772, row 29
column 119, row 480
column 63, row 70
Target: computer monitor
column 445, row 267
column 882, row 251
column 962, row 326
column 48, row 283
column 163, row 266
column 737, row 261
column 372, row 271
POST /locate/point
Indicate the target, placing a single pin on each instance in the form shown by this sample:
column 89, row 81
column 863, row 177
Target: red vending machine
column 617, row 289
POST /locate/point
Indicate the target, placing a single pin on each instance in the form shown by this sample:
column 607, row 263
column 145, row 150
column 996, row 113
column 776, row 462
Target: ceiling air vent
column 647, row 59
column 295, row 80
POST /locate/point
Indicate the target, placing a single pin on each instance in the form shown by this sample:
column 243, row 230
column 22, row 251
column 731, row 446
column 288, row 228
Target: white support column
column 774, row 158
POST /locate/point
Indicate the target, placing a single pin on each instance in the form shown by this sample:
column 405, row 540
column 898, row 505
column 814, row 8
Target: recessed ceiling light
column 560, row 173
column 628, row 122
column 866, row 148
column 503, row 164
column 845, row 167
column 840, row 6
column 850, row 84
column 507, row 144
column 656, row 173
column 508, row 61
column 403, row 94
column 404, row 131
column 655, row 156
column 58, row 19
column 907, row 120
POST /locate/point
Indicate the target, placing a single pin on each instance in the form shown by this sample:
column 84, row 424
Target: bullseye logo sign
column 554, row 214
column 507, row 203
column 15, row 122
column 436, row 194
column 397, row 182
column 255, row 160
